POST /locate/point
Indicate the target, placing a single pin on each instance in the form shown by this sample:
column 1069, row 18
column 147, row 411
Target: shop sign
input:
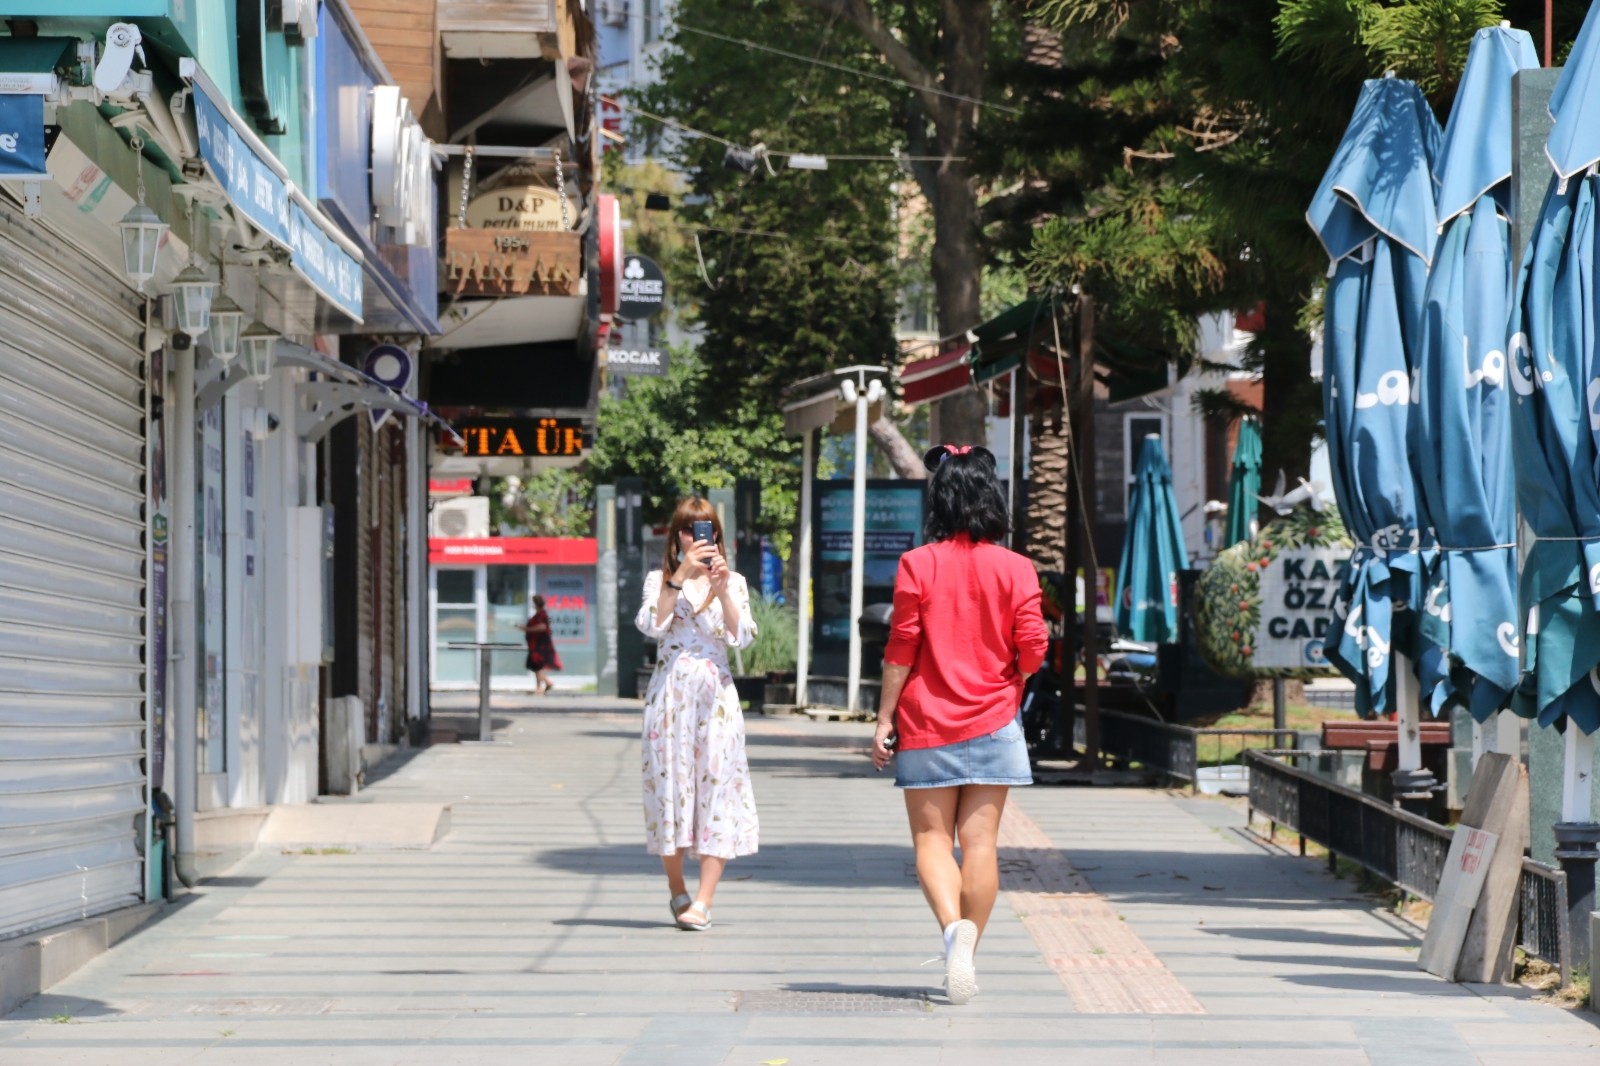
column 644, row 289
column 528, row 208
column 513, row 551
column 256, row 188
column 22, row 136
column 493, row 438
column 639, row 361
column 486, row 262
column 1298, row 587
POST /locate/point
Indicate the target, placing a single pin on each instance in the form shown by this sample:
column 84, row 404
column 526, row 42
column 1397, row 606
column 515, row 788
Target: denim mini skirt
column 998, row 758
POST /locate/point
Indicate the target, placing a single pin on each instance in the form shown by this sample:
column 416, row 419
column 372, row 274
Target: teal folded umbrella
column 1463, row 396
column 1375, row 214
column 1153, row 552
column 1244, row 484
column 1554, row 369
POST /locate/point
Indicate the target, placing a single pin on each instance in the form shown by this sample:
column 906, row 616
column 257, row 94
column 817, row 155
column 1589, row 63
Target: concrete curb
column 30, row 964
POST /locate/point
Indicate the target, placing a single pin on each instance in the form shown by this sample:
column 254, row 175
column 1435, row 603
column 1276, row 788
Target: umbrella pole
column 1508, row 735
column 1578, row 839
column 1413, row 785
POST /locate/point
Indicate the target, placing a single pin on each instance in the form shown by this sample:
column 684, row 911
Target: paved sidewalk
column 1135, row 927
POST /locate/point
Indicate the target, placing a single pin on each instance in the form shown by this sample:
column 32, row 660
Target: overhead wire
column 843, row 157
column 892, row 79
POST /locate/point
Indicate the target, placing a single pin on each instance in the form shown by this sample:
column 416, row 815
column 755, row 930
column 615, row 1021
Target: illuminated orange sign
column 492, row 438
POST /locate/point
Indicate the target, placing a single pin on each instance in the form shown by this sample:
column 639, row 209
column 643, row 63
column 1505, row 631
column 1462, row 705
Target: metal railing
column 1402, row 848
column 1173, row 750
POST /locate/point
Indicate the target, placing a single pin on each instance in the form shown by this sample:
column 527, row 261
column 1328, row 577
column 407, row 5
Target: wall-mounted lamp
column 226, row 320
column 142, row 231
column 192, row 296
column 256, row 345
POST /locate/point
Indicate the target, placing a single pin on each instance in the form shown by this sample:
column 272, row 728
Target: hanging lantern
column 192, row 295
column 226, row 319
column 256, row 344
column 142, row 231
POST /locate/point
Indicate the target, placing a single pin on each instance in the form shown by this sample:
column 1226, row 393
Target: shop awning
column 1127, row 370
column 259, row 189
column 937, row 376
column 27, row 76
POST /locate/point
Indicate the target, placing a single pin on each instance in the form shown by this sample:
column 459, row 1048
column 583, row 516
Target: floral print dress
column 697, row 794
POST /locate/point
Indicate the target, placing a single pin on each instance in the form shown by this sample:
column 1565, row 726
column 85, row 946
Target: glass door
column 508, row 607
column 456, row 594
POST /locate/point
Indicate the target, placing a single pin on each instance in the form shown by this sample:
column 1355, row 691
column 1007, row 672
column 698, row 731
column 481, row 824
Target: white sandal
column 679, row 904
column 695, row 927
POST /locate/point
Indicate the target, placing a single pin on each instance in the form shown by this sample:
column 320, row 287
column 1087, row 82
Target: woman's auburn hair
column 690, row 509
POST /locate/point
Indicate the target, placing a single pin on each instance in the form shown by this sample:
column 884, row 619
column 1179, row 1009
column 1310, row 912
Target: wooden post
column 1083, row 442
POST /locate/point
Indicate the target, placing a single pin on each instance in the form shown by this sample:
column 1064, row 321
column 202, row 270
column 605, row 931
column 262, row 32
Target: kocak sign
column 1297, row 591
column 644, row 289
column 639, row 361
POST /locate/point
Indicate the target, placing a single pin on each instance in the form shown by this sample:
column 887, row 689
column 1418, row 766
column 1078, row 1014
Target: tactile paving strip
column 1102, row 964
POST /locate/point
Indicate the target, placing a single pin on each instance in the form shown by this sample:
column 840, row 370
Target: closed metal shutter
column 366, row 578
column 72, row 584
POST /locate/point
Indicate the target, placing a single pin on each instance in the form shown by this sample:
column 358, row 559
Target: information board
column 1298, row 588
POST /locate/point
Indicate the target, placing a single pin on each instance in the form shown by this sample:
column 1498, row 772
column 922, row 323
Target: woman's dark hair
column 964, row 496
column 538, row 602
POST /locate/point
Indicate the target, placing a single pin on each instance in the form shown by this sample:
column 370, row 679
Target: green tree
column 667, row 432
column 794, row 270
column 551, row 503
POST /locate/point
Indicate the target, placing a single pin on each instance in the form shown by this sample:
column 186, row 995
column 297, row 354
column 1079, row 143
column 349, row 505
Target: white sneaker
column 960, row 973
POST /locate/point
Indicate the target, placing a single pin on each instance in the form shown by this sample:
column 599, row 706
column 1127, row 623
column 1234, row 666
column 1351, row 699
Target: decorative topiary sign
column 1263, row 607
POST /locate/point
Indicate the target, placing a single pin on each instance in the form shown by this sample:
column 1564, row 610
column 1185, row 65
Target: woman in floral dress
column 697, row 797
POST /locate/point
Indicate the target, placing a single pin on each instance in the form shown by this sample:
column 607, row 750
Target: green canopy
column 1127, row 370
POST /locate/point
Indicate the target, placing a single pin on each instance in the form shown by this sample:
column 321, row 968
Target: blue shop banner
column 22, row 136
column 263, row 197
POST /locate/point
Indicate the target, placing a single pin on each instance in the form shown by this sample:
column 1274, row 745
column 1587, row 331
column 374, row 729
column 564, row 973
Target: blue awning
column 27, row 75
column 258, row 187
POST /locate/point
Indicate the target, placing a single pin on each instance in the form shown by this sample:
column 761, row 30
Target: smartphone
column 704, row 532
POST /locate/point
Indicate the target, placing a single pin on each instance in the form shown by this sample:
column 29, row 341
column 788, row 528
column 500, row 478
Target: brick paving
column 1135, row 926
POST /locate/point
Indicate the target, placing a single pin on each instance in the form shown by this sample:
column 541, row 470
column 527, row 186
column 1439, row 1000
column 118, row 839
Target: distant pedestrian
column 966, row 633
column 697, row 797
column 542, row 655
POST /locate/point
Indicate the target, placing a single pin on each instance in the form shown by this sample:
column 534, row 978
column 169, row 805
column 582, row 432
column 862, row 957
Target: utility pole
column 1083, row 464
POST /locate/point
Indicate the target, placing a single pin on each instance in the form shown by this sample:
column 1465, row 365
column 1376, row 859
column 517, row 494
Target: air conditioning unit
column 614, row 12
column 466, row 516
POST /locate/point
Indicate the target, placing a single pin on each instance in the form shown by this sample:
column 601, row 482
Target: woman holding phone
column 967, row 632
column 697, row 797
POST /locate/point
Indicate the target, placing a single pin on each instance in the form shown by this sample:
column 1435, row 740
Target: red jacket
column 967, row 623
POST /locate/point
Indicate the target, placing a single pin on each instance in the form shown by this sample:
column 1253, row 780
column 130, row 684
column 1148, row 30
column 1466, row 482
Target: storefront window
column 456, row 619
column 508, row 607
column 569, row 597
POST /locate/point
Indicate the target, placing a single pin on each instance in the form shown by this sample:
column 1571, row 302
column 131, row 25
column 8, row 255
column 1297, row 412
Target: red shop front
column 479, row 587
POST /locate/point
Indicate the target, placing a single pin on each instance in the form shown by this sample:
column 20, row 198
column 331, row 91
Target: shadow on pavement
column 1312, row 936
column 613, row 923
column 62, row 1010
column 804, row 865
column 1231, row 879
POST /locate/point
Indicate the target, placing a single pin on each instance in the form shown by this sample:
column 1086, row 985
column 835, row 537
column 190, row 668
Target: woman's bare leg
column 932, row 813
column 673, row 864
column 978, row 827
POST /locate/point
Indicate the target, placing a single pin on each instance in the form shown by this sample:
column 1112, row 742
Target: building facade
column 212, row 227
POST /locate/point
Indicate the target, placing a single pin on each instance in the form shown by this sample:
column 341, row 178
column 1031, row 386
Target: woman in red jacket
column 966, row 633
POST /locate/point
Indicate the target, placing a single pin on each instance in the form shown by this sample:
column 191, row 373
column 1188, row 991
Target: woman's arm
column 655, row 613
column 894, row 681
